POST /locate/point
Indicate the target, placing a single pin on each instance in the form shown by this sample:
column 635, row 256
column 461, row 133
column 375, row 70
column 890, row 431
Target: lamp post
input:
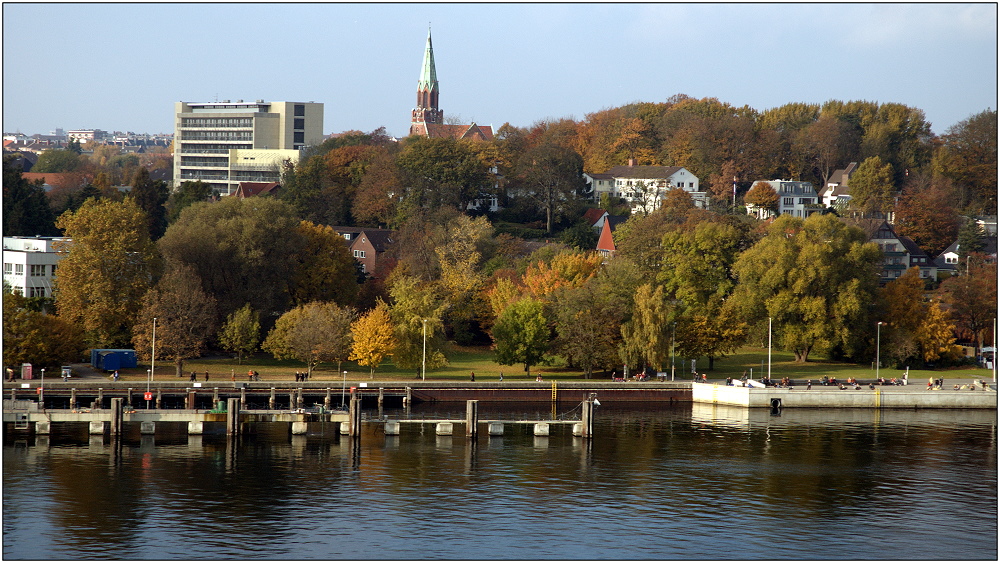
column 149, row 377
column 41, row 391
column 152, row 356
column 769, row 348
column 343, row 389
column 423, row 361
column 673, row 327
column 878, row 347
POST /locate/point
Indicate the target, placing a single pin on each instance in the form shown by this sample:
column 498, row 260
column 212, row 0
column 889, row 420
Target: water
column 696, row 482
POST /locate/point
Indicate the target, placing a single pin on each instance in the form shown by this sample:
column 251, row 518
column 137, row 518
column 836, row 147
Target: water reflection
column 699, row 472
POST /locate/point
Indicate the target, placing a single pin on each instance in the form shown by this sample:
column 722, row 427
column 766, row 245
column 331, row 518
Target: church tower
column 427, row 94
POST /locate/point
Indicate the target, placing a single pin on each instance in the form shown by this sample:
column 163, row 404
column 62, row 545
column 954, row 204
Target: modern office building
column 225, row 143
column 29, row 264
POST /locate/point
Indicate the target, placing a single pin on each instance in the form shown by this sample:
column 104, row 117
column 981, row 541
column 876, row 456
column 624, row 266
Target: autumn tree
column 872, row 187
column 241, row 332
column 185, row 318
column 417, row 312
column 461, row 278
column 521, row 334
column 973, row 299
column 646, row 337
column 551, row 175
column 587, row 321
column 815, row 278
column 312, row 333
column 324, row 269
column 567, row 269
column 189, row 192
column 441, row 172
column 34, row 337
column 378, row 192
column 762, row 196
column 106, row 271
column 926, row 214
column 374, row 337
column 968, row 155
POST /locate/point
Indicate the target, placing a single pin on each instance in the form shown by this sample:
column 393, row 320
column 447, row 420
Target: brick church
column 427, row 118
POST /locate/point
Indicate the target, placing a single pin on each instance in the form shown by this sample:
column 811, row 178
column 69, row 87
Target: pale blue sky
column 122, row 66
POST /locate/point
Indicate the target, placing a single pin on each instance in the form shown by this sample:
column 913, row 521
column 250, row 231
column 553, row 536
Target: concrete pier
column 881, row 397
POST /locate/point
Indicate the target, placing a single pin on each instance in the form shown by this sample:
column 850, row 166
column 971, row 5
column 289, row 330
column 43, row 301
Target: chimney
column 631, row 162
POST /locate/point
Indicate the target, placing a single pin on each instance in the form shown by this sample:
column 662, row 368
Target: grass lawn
column 479, row 359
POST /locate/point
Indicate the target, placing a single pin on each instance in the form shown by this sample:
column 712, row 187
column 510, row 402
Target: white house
column 837, row 189
column 795, row 198
column 29, row 264
column 643, row 187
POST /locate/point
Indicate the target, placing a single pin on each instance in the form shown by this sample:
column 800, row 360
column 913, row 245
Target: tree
column 872, row 187
column 968, row 155
column 461, row 279
column 935, row 336
column 551, row 175
column 106, row 271
column 567, row 269
column 416, row 312
column 971, row 237
column 646, row 338
column 312, row 333
column 324, row 268
column 521, row 334
column 815, row 278
column 187, row 193
column 57, row 160
column 150, row 195
column 185, row 318
column 26, row 210
column 31, row 336
column 241, row 332
column 374, row 337
column 762, row 196
column 440, row 172
column 973, row 299
column 244, row 251
column 928, row 217
column 588, row 324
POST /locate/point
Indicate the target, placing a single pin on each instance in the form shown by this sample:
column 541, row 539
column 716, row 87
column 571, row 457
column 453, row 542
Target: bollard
column 271, row 401
column 215, row 396
column 472, row 419
column 128, row 398
column 587, row 417
column 72, row 398
column 355, row 415
column 191, row 396
column 300, row 401
column 243, row 397
column 326, row 400
column 408, row 398
column 381, row 391
column 100, row 398
column 159, row 399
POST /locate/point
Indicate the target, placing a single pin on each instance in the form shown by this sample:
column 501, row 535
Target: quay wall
column 884, row 397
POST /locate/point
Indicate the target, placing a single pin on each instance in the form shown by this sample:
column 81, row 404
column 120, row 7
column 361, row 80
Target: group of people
column 301, row 376
column 194, row 376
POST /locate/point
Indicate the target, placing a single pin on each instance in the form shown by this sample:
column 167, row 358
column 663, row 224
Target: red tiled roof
column 472, row 131
column 606, row 242
column 67, row 180
column 249, row 189
column 593, row 216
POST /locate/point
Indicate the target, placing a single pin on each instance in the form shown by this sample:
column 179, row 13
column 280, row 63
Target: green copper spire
column 428, row 75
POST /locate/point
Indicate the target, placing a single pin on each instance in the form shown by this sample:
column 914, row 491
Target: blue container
column 111, row 359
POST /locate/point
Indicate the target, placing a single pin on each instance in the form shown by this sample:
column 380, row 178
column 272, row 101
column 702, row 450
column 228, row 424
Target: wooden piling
column 472, row 419
column 72, row 398
column 116, row 416
column 233, row 417
column 355, row 415
column 381, row 394
column 191, row 396
column 128, row 397
column 271, row 401
column 100, row 398
column 327, row 400
column 159, row 398
column 587, row 418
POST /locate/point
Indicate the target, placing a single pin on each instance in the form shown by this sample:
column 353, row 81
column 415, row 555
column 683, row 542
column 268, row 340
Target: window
column 347, row 236
column 36, row 292
column 359, row 253
column 300, row 110
column 805, row 200
column 300, row 123
column 8, row 268
column 788, row 201
column 299, row 137
column 53, row 270
column 889, row 247
column 18, row 269
column 37, row 269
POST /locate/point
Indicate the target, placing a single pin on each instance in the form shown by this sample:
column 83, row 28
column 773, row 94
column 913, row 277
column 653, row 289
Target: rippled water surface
column 696, row 482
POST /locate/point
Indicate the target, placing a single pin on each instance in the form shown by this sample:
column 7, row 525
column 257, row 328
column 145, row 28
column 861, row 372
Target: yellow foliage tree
column 935, row 336
column 374, row 337
column 567, row 269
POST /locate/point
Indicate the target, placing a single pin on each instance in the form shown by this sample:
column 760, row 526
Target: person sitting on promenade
column 538, row 378
column 809, row 384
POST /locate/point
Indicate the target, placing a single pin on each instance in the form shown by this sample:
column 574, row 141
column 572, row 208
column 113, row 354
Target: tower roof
column 428, row 74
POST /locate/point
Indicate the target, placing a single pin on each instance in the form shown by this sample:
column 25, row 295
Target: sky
column 121, row 67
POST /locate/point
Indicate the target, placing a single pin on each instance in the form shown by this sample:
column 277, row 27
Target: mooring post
column 159, row 398
column 271, row 401
column 72, row 398
column 355, row 414
column 243, row 396
column 13, row 394
column 472, row 419
column 232, row 417
column 100, row 398
column 408, row 397
column 191, row 396
column 116, row 416
column 215, row 397
column 128, row 397
column 326, row 400
column 300, row 401
column 587, row 418
column 381, row 393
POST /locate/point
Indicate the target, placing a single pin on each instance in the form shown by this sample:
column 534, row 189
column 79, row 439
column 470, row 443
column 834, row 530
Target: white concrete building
column 225, row 143
column 643, row 187
column 29, row 264
column 798, row 199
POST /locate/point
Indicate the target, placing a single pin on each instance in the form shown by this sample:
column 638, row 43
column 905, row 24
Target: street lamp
column 152, row 356
column 423, row 362
column 343, row 389
column 878, row 347
column 41, row 390
column 673, row 327
column 769, row 349
column 149, row 377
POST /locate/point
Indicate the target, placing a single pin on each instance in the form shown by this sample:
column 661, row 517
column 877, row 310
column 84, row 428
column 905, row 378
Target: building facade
column 795, row 198
column 225, row 143
column 643, row 187
column 29, row 264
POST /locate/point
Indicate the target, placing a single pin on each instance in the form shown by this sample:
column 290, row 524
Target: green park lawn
column 479, row 359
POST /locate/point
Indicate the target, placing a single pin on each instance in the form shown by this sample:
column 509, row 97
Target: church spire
column 427, row 110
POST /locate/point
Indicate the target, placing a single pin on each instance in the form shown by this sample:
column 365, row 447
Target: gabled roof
column 910, row 246
column 380, row 239
column 606, row 243
column 250, row 189
column 471, row 131
column 869, row 226
column 842, row 175
column 657, row 172
column 592, row 216
column 66, row 180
